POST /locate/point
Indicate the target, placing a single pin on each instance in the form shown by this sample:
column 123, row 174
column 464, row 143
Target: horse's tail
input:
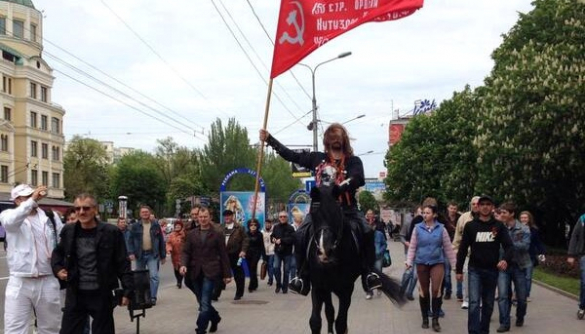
column 392, row 289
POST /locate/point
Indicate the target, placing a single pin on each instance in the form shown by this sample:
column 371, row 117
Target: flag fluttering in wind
column 305, row 25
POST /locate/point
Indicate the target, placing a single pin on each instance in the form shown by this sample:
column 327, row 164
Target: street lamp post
column 313, row 70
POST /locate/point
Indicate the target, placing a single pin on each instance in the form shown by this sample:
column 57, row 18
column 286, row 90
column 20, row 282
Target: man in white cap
column 31, row 238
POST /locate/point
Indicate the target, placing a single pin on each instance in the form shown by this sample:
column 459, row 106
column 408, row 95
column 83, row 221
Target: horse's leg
column 329, row 313
column 344, row 303
column 317, row 301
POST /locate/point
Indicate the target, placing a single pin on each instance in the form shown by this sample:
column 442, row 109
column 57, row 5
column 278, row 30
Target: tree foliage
column 277, row 174
column 367, row 201
column 227, row 148
column 137, row 177
column 85, row 168
column 518, row 137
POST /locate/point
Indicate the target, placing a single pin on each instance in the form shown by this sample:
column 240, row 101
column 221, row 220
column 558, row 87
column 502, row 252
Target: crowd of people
column 493, row 250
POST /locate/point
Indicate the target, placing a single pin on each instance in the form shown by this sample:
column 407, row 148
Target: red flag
column 305, row 25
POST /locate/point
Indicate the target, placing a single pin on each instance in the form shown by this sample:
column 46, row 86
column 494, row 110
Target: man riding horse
column 348, row 174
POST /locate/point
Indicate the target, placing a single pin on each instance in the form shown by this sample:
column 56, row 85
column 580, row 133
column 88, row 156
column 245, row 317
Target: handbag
column 263, row 269
column 387, row 261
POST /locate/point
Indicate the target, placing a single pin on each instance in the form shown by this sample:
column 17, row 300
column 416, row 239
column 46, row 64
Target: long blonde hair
column 530, row 223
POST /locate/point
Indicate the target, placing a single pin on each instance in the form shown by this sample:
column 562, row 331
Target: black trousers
column 239, row 276
column 80, row 304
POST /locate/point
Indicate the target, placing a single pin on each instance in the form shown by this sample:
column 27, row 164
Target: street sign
column 309, row 184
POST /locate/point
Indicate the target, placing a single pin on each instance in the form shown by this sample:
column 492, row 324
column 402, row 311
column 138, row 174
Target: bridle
column 322, row 228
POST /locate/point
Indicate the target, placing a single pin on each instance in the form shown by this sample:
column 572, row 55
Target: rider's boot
column 300, row 283
column 372, row 280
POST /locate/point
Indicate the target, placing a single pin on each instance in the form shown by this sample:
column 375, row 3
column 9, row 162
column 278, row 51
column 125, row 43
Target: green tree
column 227, row 149
column 277, row 174
column 136, row 176
column 367, row 201
column 85, row 167
column 530, row 135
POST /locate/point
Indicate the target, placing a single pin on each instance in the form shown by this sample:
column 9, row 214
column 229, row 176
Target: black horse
column 334, row 262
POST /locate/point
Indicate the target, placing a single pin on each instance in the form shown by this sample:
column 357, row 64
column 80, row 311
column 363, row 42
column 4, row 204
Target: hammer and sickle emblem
column 291, row 20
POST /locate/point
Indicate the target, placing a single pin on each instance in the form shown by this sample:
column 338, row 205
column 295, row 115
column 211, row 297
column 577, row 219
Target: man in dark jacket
column 91, row 258
column 147, row 247
column 338, row 167
column 236, row 241
column 204, row 261
column 283, row 238
column 577, row 253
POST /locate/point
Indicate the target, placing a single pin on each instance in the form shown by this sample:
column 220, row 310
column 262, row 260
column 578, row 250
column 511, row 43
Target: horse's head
column 327, row 219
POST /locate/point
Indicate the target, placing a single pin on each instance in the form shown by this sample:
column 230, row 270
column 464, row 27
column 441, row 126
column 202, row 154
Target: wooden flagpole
column 261, row 150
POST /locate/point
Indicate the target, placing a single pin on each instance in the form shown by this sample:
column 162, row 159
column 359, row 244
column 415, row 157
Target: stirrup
column 297, row 286
column 373, row 281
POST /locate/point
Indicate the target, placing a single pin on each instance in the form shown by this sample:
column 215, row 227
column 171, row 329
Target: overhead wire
column 123, row 102
column 256, row 53
column 250, row 59
column 122, row 83
column 272, row 41
column 80, row 71
column 152, row 49
column 91, row 77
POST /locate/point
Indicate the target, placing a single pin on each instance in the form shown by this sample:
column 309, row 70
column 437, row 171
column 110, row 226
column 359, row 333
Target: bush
column 557, row 264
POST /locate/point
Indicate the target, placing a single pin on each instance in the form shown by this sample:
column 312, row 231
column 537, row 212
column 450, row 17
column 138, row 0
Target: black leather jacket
column 112, row 259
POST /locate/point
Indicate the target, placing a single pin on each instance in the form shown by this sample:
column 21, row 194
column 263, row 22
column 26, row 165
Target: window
column 56, row 153
column 55, row 125
column 7, row 84
column 33, row 119
column 33, row 36
column 45, row 151
column 18, row 28
column 33, row 90
column 2, row 26
column 44, row 92
column 4, row 174
column 4, row 143
column 34, row 177
column 33, row 148
column 44, row 122
column 56, row 180
column 45, row 178
column 7, row 114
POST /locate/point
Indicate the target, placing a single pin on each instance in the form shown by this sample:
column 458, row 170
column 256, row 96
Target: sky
column 171, row 68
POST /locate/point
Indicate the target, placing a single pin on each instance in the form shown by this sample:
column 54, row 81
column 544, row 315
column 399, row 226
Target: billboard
column 395, row 133
column 241, row 203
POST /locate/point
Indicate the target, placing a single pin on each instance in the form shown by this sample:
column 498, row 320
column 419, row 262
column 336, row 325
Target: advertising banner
column 241, row 204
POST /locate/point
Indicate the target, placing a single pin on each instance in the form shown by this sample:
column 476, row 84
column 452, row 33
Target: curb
column 557, row 290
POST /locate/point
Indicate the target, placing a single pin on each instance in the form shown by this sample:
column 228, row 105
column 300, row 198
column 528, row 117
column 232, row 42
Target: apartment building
column 31, row 124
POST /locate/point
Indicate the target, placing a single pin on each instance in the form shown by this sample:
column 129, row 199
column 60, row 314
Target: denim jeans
column 447, row 285
column 481, row 289
column 270, row 268
column 515, row 275
column 282, row 276
column 529, row 272
column 202, row 287
column 149, row 260
column 292, row 269
column 582, row 295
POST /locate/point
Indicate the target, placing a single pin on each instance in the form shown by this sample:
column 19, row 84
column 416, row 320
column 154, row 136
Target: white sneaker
column 369, row 295
column 465, row 305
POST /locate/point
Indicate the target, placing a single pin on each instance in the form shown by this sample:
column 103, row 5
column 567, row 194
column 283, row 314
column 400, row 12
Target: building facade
column 114, row 154
column 31, row 124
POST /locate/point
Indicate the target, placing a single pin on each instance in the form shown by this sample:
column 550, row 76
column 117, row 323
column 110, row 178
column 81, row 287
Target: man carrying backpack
column 577, row 250
column 31, row 236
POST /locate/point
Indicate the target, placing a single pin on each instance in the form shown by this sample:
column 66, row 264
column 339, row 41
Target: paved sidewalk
column 264, row 312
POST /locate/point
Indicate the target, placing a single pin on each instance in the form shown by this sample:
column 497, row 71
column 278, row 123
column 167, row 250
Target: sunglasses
column 85, row 208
